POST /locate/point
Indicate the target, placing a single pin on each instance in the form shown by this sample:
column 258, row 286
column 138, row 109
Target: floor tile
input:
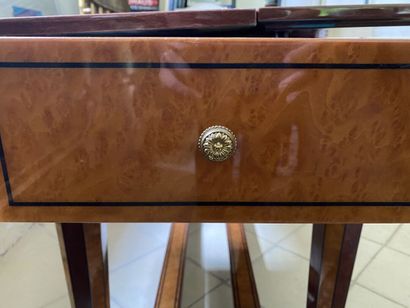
column 196, row 283
column 32, row 272
column 389, row 275
column 135, row 285
column 257, row 245
column 271, row 232
column 379, row 233
column 221, row 297
column 50, row 229
column 401, row 240
column 299, row 242
column 360, row 297
column 62, row 302
column 367, row 250
column 158, row 230
column 127, row 242
column 208, row 247
column 11, row 233
column 281, row 279
column 114, row 303
column 137, row 253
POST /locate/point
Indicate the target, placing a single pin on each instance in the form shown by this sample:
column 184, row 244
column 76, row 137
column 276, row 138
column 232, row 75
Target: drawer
column 94, row 121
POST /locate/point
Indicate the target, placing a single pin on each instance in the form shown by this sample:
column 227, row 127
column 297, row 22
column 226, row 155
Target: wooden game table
column 236, row 116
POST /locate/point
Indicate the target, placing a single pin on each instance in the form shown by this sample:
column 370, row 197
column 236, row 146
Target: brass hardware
column 217, row 143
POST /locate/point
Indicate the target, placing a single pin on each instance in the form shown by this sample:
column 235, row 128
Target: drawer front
column 90, row 121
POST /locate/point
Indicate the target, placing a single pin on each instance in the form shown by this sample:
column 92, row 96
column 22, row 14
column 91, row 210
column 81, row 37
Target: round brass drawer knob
column 217, row 143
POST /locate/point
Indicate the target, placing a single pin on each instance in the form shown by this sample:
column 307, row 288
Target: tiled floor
column 31, row 271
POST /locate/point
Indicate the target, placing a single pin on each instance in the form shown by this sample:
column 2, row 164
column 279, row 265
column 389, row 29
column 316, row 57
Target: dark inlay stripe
column 177, row 65
column 5, row 173
column 207, row 203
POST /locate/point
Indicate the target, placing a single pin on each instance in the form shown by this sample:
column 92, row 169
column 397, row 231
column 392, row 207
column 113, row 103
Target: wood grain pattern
column 83, row 250
column 96, row 242
column 244, row 290
column 130, row 134
column 170, row 287
column 333, row 252
column 348, row 252
column 125, row 135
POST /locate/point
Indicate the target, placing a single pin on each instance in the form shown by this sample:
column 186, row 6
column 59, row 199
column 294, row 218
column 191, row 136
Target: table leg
column 170, row 286
column 84, row 251
column 244, row 289
column 333, row 252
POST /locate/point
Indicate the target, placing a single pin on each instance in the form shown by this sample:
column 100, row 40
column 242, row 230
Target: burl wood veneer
column 115, row 122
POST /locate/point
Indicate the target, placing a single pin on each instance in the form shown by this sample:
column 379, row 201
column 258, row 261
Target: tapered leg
column 333, row 252
column 84, row 252
column 243, row 282
column 170, row 286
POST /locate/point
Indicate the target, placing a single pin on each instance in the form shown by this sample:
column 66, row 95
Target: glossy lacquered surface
column 121, row 133
column 270, row 21
column 314, row 17
column 145, row 23
column 129, row 134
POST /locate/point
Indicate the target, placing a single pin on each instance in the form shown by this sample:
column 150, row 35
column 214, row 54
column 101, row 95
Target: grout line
column 114, row 300
column 276, row 245
column 388, row 247
column 277, row 242
column 204, row 295
column 391, row 237
column 398, row 251
column 191, row 259
column 366, row 265
column 249, row 234
column 113, row 270
column 162, row 239
column 53, row 301
column 294, row 253
column 228, row 282
column 15, row 243
column 52, row 235
column 376, row 254
column 353, row 281
column 200, row 224
column 381, row 295
column 290, row 234
column 222, row 281
column 165, row 238
column 381, row 243
column 266, row 252
column 204, row 270
column 370, row 240
column 145, row 233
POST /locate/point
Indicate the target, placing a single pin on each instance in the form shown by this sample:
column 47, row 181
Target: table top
column 145, row 23
column 269, row 21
